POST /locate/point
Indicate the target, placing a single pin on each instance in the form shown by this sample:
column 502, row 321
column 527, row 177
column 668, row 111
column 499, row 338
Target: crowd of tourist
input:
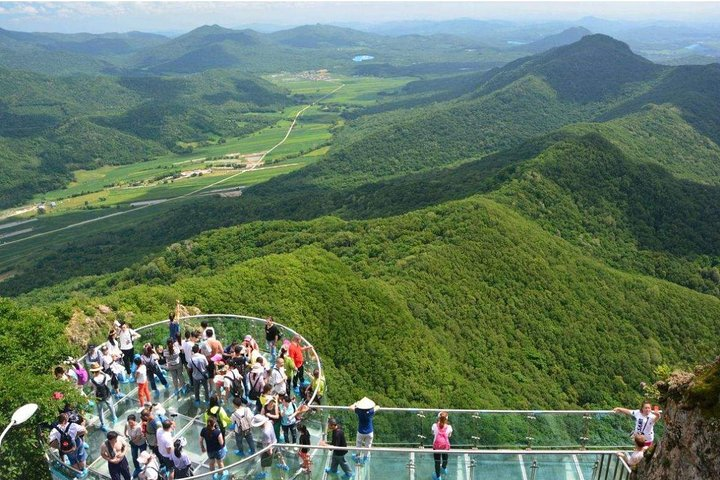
column 242, row 390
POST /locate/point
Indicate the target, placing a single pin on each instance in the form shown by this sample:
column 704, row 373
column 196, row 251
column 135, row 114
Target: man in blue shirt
column 365, row 410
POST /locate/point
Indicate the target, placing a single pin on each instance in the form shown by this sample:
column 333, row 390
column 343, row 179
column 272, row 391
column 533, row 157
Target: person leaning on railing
column 645, row 421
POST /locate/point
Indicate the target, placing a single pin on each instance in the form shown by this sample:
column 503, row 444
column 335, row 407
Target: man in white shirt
column 198, row 365
column 165, row 444
column 73, row 448
column 278, row 378
column 101, row 383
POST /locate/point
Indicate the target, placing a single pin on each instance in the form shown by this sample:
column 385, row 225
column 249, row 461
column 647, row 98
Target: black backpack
column 102, row 392
column 254, row 390
column 66, row 444
column 237, row 385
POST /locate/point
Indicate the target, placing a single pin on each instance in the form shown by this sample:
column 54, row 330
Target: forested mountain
column 393, row 162
column 542, row 235
column 301, row 48
column 57, row 53
column 50, row 126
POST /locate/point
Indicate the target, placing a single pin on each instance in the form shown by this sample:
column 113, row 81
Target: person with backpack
column 108, row 361
column 216, row 411
column 101, row 383
column 212, row 441
column 182, row 466
column 256, row 382
column 150, row 360
column 200, row 376
column 233, row 382
column 113, row 450
column 242, row 419
column 442, row 431
column 365, row 410
column 64, row 437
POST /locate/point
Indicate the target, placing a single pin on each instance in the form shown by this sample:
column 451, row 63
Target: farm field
column 113, row 189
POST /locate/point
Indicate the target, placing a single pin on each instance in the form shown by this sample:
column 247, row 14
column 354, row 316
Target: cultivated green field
column 112, row 189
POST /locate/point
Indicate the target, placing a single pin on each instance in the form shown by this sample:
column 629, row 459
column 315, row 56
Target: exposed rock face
column 690, row 447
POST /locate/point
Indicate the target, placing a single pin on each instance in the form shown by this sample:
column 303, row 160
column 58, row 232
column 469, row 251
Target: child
column 633, row 459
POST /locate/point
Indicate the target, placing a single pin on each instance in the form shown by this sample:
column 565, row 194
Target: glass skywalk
column 487, row 444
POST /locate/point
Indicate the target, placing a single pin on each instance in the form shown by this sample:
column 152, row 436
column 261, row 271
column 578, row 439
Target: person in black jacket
column 338, row 456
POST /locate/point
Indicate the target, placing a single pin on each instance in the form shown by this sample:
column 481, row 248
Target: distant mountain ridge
column 571, row 35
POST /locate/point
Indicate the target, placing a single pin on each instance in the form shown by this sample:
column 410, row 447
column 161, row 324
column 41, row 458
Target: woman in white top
column 126, row 337
column 442, row 431
column 181, row 462
column 174, row 365
column 645, row 421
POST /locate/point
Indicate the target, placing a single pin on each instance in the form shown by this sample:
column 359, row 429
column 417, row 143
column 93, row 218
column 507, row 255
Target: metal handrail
column 466, row 411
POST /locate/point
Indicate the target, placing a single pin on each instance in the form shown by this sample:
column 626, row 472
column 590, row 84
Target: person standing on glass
column 338, row 454
column 365, row 410
column 272, row 337
column 441, row 432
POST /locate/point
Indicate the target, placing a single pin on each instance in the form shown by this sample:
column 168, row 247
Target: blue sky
column 96, row 17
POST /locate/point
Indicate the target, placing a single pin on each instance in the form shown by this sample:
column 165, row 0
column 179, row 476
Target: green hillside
column 478, row 299
column 59, row 124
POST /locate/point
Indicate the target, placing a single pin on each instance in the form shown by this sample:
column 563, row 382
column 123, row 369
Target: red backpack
column 441, row 442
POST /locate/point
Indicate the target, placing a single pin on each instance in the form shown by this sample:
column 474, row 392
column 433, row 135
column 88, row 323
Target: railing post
column 586, row 431
column 533, row 470
column 476, row 438
column 411, row 466
column 420, row 435
column 596, row 470
column 471, row 467
column 528, row 438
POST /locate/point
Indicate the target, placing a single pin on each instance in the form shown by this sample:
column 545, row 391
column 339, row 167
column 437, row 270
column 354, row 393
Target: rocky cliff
column 690, row 447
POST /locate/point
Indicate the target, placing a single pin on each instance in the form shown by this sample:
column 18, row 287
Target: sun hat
column 258, row 420
column 216, row 358
column 248, row 338
column 144, row 456
column 365, row 404
column 95, row 367
column 172, row 412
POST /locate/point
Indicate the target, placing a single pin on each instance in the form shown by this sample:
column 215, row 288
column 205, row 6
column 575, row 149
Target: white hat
column 172, row 411
column 258, row 420
column 365, row 404
column 145, row 456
